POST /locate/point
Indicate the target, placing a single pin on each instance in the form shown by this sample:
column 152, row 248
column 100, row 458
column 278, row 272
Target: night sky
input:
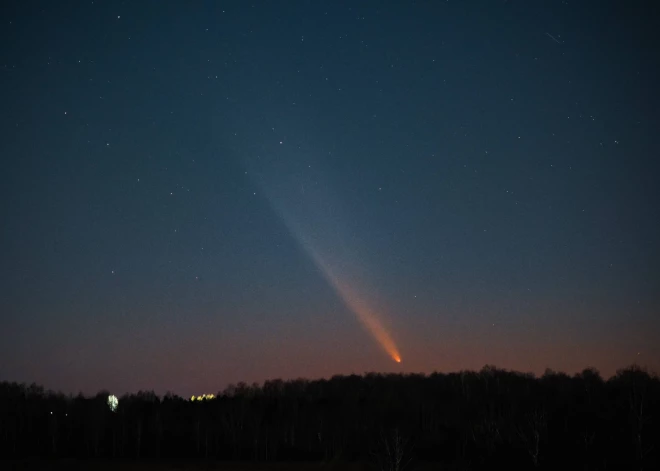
column 201, row 193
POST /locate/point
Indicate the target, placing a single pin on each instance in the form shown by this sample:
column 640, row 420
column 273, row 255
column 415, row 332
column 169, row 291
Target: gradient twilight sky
column 202, row 193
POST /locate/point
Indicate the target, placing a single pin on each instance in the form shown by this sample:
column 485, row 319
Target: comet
column 311, row 217
column 355, row 303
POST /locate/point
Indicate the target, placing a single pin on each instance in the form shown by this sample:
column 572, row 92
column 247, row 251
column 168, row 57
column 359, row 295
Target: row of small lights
column 202, row 397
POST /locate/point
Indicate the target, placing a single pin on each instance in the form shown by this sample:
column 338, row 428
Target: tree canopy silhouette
column 467, row 419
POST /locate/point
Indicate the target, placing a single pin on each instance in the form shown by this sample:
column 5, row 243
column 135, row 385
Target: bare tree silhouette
column 487, row 419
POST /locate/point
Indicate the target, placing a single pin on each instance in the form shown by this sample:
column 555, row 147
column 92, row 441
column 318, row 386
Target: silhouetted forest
column 466, row 420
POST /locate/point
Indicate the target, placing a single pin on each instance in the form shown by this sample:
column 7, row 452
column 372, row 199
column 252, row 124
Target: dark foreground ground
column 75, row 465
column 481, row 421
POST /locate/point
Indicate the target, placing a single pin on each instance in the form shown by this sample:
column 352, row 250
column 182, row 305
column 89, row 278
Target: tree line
column 464, row 420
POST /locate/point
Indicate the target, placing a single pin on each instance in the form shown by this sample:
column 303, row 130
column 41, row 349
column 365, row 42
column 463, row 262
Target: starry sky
column 200, row 193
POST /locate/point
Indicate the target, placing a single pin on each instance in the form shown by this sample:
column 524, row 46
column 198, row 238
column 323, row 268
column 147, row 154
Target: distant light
column 113, row 402
column 202, row 397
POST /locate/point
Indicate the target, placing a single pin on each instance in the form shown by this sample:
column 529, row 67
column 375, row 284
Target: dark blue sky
column 200, row 193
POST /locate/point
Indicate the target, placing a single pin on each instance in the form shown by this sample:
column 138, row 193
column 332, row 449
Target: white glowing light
column 113, row 402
